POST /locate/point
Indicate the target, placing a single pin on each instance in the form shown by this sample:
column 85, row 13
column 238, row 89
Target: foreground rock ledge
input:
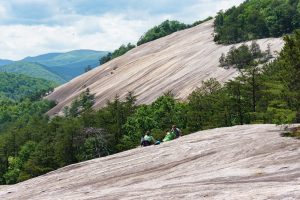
column 241, row 162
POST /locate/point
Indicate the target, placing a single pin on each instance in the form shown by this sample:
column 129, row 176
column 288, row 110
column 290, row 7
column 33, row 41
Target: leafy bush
column 118, row 52
column 165, row 28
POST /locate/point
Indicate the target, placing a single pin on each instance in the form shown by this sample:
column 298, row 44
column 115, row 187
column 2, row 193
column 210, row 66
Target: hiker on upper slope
column 147, row 140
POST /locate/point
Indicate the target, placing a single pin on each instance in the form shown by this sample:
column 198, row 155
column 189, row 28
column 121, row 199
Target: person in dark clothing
column 176, row 131
column 147, row 140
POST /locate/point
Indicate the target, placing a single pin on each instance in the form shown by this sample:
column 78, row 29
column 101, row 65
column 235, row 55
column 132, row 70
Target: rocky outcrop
column 241, row 162
column 178, row 63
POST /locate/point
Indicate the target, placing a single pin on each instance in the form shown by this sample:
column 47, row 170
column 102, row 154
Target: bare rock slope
column 178, row 63
column 241, row 162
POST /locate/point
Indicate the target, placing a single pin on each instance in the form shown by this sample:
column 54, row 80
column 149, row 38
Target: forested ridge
column 35, row 70
column 256, row 19
column 31, row 144
column 18, row 86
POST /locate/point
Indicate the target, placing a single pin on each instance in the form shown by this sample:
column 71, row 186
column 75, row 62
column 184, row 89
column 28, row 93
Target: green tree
column 16, row 164
column 237, row 101
column 208, row 107
column 244, row 57
column 165, row 28
column 83, row 103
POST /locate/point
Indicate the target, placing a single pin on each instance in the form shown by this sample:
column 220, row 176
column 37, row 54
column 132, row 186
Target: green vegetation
column 165, row 28
column 19, row 95
column 245, row 57
column 31, row 144
column 16, row 119
column 118, row 52
column 32, row 69
column 19, row 106
column 196, row 23
column 17, row 87
column 272, row 91
column 256, row 19
column 157, row 117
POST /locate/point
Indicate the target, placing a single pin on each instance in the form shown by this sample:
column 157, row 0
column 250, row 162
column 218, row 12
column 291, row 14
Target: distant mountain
column 70, row 64
column 5, row 62
column 35, row 70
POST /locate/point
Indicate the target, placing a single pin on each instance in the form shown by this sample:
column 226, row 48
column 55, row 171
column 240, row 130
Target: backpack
column 176, row 131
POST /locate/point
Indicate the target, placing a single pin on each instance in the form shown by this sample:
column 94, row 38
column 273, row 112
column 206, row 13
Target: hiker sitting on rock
column 176, row 131
column 169, row 136
column 147, row 140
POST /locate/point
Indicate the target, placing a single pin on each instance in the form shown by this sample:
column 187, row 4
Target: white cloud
column 3, row 12
column 106, row 32
column 202, row 9
column 63, row 29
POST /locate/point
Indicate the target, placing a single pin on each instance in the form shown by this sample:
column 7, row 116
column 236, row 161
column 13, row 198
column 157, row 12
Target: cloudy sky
column 33, row 27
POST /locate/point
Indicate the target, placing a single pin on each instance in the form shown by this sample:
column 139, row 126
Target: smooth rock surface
column 241, row 162
column 178, row 63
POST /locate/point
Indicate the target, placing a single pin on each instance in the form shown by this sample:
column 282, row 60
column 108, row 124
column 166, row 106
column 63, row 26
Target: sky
column 34, row 27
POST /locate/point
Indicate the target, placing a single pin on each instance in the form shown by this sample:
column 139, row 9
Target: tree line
column 255, row 19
